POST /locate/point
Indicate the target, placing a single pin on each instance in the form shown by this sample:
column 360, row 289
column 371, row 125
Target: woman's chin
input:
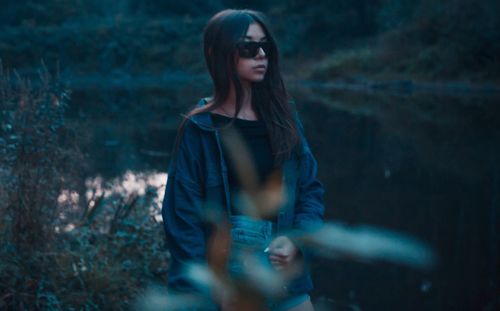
column 258, row 78
column 254, row 78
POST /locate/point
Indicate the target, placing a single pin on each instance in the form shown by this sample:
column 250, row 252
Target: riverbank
column 402, row 86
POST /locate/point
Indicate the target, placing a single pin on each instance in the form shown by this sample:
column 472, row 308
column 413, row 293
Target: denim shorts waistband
column 254, row 224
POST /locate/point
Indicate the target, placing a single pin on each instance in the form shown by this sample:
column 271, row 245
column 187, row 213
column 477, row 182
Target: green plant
column 39, row 158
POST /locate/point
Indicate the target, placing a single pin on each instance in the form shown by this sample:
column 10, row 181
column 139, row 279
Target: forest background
column 399, row 100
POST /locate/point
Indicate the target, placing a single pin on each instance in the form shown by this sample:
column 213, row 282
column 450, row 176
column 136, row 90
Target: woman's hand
column 282, row 252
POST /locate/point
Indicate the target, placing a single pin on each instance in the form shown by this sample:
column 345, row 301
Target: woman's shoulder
column 198, row 118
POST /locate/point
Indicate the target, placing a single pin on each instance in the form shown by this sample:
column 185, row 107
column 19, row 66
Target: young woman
column 249, row 122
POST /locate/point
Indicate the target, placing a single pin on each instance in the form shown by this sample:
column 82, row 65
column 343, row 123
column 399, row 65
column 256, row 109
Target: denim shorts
column 250, row 238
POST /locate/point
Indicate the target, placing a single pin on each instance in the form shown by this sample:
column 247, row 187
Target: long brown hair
column 270, row 99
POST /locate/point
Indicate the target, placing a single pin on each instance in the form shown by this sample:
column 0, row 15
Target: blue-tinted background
column 399, row 100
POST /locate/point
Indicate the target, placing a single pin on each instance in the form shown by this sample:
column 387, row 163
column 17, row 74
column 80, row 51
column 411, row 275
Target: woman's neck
column 228, row 107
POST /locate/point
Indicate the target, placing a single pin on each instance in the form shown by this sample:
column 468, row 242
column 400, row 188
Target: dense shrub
column 67, row 241
column 39, row 153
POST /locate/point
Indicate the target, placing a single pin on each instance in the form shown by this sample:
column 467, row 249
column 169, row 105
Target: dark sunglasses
column 250, row 49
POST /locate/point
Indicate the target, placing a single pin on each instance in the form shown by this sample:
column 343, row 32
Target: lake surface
column 421, row 164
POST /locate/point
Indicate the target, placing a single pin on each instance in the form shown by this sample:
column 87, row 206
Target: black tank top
column 255, row 136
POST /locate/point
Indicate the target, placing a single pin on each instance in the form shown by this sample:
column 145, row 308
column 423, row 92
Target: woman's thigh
column 294, row 303
column 305, row 306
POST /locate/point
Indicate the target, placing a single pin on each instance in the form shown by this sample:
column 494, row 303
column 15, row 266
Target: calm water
column 421, row 164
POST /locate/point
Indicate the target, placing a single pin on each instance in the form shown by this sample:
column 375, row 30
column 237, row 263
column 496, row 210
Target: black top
column 255, row 136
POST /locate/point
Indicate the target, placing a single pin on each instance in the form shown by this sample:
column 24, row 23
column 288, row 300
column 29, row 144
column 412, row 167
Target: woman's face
column 253, row 69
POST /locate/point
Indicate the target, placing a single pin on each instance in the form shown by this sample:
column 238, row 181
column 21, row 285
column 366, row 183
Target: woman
column 232, row 148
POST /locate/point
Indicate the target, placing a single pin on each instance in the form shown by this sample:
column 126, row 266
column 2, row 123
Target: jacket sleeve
column 309, row 209
column 309, row 204
column 182, row 214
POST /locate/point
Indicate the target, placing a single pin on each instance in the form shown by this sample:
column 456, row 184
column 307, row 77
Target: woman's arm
column 183, row 219
column 309, row 208
column 309, row 204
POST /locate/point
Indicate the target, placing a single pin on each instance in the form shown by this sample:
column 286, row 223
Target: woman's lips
column 260, row 68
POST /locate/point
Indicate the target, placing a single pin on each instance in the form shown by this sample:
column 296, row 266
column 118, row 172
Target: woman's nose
column 261, row 53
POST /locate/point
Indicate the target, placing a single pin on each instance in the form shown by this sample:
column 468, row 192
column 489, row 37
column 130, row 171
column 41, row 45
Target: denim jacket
column 198, row 174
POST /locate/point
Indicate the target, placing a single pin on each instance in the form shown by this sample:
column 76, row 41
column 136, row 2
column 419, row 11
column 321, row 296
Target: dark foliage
column 66, row 242
column 39, row 152
column 419, row 38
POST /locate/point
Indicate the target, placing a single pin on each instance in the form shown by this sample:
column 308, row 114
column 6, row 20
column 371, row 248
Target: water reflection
column 420, row 164
column 115, row 192
column 423, row 165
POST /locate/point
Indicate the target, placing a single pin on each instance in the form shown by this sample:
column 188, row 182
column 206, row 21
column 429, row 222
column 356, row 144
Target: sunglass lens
column 266, row 46
column 246, row 49
column 251, row 49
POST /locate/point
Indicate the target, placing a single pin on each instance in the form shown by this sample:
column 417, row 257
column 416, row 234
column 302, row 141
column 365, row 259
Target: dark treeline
column 417, row 38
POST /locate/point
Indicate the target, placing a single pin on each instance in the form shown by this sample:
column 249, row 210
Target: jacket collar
column 203, row 120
